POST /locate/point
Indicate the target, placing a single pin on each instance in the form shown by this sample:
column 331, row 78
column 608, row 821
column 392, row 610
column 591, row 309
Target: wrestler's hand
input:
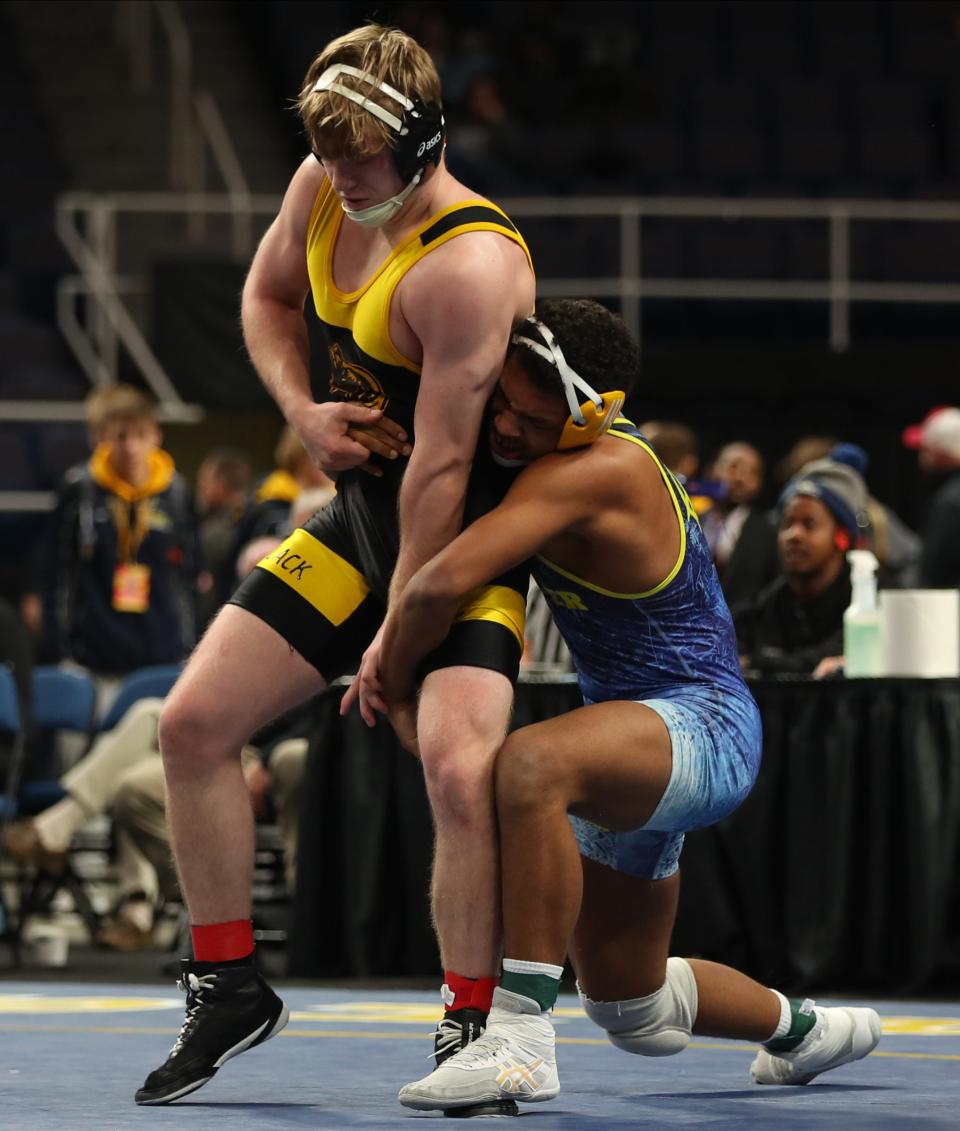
column 365, row 689
column 403, row 719
column 383, row 438
column 339, row 436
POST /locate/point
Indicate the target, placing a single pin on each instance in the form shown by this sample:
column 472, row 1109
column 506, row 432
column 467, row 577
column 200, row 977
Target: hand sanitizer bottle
column 861, row 621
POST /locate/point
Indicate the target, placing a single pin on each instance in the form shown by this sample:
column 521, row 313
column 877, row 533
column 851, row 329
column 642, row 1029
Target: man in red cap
column 937, row 441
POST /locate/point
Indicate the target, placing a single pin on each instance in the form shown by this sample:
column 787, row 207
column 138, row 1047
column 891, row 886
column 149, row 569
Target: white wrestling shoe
column 515, row 1059
column 839, row 1036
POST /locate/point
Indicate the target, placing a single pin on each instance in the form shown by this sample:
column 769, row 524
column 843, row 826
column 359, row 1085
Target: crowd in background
column 137, row 562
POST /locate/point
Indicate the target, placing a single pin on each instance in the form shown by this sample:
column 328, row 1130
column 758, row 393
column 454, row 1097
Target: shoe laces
column 449, row 1034
column 480, row 1050
column 193, row 986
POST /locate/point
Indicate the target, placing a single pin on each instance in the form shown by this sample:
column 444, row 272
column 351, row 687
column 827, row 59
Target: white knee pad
column 657, row 1025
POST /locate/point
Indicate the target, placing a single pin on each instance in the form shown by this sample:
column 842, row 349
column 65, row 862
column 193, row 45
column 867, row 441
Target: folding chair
column 62, row 701
column 145, row 683
column 10, row 725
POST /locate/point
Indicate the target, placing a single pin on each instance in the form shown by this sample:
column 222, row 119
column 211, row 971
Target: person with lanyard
column 592, row 806
column 121, row 561
column 417, row 283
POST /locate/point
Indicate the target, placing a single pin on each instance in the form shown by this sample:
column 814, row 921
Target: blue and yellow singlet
column 664, row 643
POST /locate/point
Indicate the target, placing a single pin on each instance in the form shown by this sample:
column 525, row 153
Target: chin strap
column 378, row 214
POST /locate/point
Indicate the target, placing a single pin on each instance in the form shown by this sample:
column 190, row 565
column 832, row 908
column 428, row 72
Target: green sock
column 802, row 1020
column 539, row 985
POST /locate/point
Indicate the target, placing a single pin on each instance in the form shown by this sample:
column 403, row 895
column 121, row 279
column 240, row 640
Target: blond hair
column 117, row 402
column 336, row 126
column 289, row 452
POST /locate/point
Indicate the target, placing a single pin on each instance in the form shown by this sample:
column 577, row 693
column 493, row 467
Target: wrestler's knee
column 459, row 783
column 657, row 1025
column 526, row 774
column 191, row 729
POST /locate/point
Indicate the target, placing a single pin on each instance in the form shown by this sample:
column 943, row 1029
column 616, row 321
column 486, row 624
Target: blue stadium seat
column 145, row 683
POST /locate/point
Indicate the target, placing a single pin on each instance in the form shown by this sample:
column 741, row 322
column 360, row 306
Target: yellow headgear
column 588, row 419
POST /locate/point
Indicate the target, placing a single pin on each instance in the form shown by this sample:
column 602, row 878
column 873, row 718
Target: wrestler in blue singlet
column 673, row 649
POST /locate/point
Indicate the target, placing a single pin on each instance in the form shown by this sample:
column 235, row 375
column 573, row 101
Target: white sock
column 786, row 1018
column 519, row 966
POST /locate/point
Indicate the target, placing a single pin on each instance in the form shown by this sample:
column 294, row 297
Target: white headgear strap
column 377, row 214
column 328, row 81
column 572, row 381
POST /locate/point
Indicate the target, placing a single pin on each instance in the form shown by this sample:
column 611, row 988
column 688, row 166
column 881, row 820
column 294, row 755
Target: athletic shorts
column 325, row 588
column 716, row 757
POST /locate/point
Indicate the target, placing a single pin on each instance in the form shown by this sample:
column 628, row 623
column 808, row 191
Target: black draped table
column 841, row 868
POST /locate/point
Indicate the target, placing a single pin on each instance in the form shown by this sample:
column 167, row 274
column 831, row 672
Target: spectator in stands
column 937, row 441
column 679, row 450
column 223, row 483
column 741, row 536
column 122, row 775
column 304, row 506
column 268, row 512
column 16, row 655
column 121, row 567
column 896, row 546
column 676, row 444
column 804, row 451
column 797, row 620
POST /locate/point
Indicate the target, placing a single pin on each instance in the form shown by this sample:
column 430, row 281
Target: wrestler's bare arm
column 336, row 434
column 554, row 495
column 461, row 306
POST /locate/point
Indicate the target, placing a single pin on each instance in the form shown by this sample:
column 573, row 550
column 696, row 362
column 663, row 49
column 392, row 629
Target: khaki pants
column 123, row 775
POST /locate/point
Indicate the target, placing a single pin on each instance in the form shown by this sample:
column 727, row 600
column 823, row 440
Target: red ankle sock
column 468, row 993
column 222, row 942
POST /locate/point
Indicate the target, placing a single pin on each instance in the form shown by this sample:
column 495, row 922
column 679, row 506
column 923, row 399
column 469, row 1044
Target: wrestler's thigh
column 612, row 761
column 241, row 675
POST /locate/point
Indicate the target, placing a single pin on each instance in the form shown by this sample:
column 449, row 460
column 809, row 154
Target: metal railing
column 88, row 227
column 92, row 313
column 837, row 289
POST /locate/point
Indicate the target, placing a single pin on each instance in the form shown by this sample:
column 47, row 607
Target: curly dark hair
column 595, row 342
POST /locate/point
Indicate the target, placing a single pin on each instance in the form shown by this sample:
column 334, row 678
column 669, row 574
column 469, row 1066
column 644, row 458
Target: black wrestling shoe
column 456, row 1031
column 229, row 1009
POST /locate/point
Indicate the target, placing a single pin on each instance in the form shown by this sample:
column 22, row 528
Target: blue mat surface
column 71, row 1057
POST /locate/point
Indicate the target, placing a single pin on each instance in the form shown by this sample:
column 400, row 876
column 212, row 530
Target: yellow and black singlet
column 324, row 589
column 365, row 365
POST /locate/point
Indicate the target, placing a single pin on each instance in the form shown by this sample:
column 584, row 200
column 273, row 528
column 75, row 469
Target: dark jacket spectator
column 938, row 442
column 15, row 655
column 268, row 511
column 741, row 536
column 798, row 619
column 120, row 586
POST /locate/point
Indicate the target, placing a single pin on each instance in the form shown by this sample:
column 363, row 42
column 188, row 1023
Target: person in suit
column 741, row 536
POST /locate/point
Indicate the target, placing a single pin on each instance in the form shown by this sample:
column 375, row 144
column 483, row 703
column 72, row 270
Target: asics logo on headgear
column 425, row 145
